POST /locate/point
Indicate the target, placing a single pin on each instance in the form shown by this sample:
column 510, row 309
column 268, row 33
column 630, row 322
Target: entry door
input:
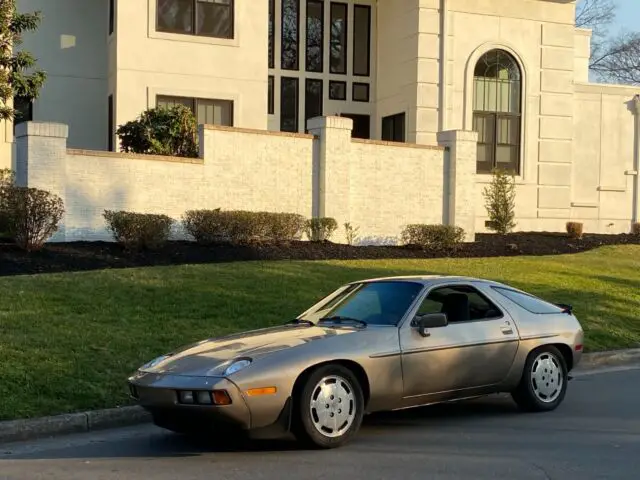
column 476, row 349
column 361, row 125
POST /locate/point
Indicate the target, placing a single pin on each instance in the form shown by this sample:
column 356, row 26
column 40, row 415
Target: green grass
column 69, row 341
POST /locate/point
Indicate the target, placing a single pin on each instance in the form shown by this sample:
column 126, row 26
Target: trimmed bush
column 635, row 229
column 30, row 216
column 435, row 237
column 320, row 229
column 137, row 231
column 239, row 226
column 500, row 202
column 575, row 230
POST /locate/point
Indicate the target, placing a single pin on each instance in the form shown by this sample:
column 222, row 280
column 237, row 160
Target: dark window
column 377, row 303
column 360, row 92
column 313, row 99
column 272, row 26
column 337, row 90
column 315, row 31
column 112, row 8
column 497, row 112
column 290, row 34
column 270, row 95
column 207, row 111
column 361, row 125
column 23, row 110
column 110, row 124
column 288, row 104
column 529, row 302
column 461, row 303
column 361, row 40
column 210, row 18
column 393, row 128
column 338, row 38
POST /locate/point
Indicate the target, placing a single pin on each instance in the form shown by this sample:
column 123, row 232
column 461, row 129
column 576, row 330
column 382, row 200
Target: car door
column 475, row 349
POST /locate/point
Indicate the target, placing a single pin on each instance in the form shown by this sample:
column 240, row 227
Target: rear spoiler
column 568, row 309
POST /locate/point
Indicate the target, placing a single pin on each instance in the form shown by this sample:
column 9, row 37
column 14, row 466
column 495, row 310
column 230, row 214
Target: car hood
column 211, row 357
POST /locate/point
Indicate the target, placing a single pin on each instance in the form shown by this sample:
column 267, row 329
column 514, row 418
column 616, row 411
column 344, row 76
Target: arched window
column 497, row 101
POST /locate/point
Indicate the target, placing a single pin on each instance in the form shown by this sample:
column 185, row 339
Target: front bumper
column 158, row 394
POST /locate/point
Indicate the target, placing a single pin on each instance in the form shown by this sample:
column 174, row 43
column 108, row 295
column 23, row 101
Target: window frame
column 477, row 290
column 355, row 85
column 321, row 3
column 194, row 104
column 499, row 290
column 369, row 10
column 194, row 20
column 344, row 86
column 393, row 118
column 346, row 38
column 296, row 67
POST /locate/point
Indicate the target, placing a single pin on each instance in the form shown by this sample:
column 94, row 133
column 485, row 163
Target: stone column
column 460, row 180
column 41, row 151
column 332, row 165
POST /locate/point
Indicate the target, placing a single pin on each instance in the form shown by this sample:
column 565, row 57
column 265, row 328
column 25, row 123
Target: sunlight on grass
column 70, row 340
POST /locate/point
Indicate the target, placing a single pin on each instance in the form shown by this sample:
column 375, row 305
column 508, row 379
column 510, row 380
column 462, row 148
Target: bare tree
column 614, row 58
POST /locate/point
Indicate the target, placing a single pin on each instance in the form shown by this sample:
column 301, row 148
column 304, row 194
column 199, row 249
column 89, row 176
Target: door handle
column 506, row 328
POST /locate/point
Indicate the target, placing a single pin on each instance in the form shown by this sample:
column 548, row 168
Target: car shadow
column 157, row 443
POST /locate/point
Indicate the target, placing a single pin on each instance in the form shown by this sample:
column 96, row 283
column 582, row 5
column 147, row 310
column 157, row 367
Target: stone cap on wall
column 42, row 129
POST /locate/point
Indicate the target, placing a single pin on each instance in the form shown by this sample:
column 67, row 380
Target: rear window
column 529, row 302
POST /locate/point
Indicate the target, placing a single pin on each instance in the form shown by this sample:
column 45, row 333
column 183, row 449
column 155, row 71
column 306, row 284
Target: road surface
column 595, row 434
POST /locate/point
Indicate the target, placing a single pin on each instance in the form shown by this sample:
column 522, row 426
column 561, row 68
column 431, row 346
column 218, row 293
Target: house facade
column 513, row 71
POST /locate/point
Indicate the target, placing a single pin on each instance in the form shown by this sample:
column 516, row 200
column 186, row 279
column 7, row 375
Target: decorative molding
column 631, row 172
column 585, row 204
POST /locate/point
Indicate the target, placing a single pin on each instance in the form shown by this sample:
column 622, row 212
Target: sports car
column 373, row 345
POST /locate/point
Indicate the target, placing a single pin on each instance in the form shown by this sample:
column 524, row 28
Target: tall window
column 207, row 111
column 208, row 18
column 290, row 34
column 497, row 107
column 393, row 128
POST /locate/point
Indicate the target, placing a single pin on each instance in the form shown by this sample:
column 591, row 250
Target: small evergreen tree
column 18, row 77
column 500, row 197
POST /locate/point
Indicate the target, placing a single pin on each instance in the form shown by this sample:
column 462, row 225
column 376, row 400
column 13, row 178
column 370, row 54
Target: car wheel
column 544, row 381
column 329, row 409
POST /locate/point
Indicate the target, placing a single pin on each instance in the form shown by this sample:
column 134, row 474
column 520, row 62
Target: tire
column 544, row 381
column 313, row 422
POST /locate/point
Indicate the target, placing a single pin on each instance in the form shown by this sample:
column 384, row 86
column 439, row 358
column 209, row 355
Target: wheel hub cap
column 332, row 406
column 546, row 377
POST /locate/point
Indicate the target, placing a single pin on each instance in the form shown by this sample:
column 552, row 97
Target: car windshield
column 375, row 303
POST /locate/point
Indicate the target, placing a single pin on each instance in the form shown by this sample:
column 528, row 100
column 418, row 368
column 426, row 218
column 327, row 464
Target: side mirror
column 433, row 320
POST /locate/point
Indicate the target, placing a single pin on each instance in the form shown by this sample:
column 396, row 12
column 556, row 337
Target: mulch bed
column 81, row 256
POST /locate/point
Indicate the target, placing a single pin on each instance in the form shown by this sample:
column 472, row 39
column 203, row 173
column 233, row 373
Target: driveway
column 594, row 434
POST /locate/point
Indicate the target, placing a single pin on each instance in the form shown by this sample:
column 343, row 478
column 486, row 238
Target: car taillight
column 578, row 348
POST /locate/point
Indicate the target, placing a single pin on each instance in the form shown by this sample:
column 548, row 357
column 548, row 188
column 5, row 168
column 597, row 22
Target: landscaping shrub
column 635, row 228
column 351, row 233
column 136, row 231
column 500, row 197
column 575, row 230
column 161, row 131
column 30, row 216
column 320, row 229
column 239, row 226
column 435, row 237
column 6, row 181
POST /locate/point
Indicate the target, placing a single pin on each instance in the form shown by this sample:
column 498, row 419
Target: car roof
column 429, row 280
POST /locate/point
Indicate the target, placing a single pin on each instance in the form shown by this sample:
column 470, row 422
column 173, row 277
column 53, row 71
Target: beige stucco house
column 514, row 71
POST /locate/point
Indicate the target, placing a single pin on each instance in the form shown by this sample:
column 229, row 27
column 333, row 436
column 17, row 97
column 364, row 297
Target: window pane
column 338, row 36
column 463, row 303
column 529, row 302
column 272, row 13
column 313, row 99
column 361, row 40
column 290, row 34
column 360, row 92
column 270, row 96
column 393, row 128
column 175, row 16
column 338, row 90
column 289, row 104
column 165, row 101
column 315, row 30
column 215, row 18
column 215, row 112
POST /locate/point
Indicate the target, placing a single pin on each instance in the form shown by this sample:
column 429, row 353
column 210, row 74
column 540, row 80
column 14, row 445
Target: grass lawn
column 68, row 341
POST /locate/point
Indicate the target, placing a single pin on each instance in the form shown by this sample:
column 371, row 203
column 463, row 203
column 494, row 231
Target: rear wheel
column 544, row 381
column 329, row 409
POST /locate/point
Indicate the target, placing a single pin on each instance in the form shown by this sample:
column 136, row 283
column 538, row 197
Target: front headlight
column 237, row 366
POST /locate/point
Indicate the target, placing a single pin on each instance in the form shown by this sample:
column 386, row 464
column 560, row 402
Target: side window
column 529, row 302
column 461, row 303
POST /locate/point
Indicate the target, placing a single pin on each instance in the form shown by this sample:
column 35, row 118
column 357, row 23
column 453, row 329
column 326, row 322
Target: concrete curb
column 31, row 429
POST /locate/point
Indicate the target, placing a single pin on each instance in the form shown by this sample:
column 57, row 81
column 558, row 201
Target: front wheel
column 544, row 381
column 330, row 407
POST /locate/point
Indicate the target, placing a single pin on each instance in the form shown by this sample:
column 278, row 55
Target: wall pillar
column 41, row 151
column 636, row 183
column 331, row 169
column 460, row 179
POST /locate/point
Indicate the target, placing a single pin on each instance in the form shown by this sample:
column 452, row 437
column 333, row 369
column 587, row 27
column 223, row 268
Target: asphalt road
column 594, row 434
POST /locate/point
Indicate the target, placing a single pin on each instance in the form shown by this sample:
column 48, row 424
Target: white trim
column 524, row 96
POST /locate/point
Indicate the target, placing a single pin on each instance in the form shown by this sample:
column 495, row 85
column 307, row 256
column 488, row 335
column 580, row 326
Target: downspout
column 636, row 167
column 444, row 59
